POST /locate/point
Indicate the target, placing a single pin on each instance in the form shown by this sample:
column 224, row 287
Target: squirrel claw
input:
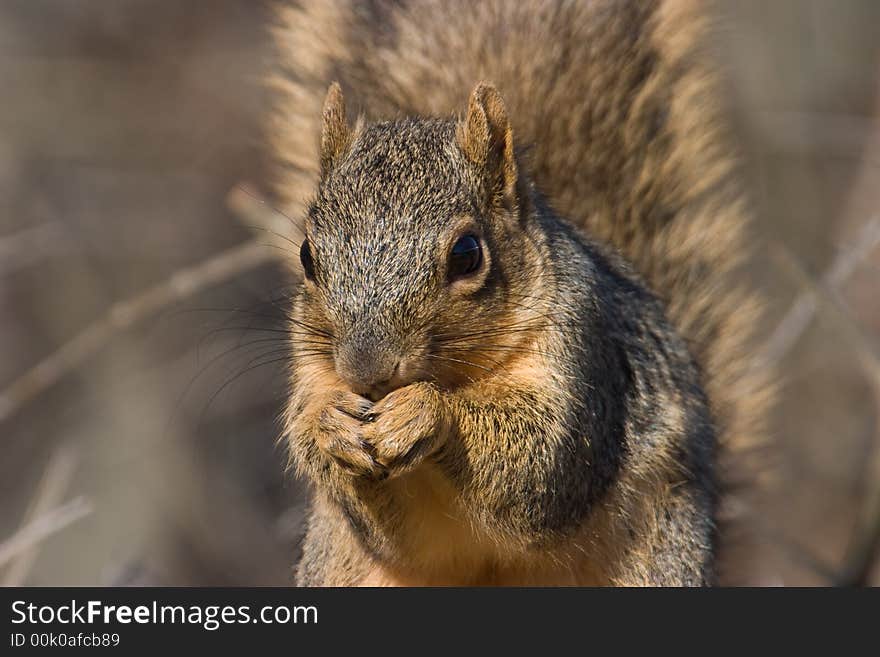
column 354, row 406
column 405, row 427
column 340, row 436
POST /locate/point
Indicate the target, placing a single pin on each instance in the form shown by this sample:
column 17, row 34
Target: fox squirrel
column 483, row 392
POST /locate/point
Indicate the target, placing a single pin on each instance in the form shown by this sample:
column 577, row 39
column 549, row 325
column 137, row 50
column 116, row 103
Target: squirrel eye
column 465, row 258
column 305, row 257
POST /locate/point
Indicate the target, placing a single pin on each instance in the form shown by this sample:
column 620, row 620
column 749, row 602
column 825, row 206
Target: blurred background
column 141, row 367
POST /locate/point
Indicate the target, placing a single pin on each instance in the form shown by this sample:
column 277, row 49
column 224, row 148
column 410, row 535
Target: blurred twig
column 866, row 538
column 44, row 526
column 50, row 493
column 828, row 297
column 801, row 313
column 125, row 314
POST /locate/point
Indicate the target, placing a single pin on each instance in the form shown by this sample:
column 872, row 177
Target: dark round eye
column 305, row 257
column 465, row 258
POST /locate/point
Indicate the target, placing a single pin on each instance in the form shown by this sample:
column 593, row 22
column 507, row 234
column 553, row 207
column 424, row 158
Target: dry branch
column 801, row 313
column 125, row 314
column 50, row 493
column 837, row 312
column 43, row 527
column 865, row 544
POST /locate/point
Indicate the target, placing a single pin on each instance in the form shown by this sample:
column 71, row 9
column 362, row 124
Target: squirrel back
column 616, row 103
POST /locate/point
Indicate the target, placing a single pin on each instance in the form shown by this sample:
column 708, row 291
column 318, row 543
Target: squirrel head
column 416, row 244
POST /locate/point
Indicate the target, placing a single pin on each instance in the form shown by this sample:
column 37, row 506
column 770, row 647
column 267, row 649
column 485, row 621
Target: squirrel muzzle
column 367, row 364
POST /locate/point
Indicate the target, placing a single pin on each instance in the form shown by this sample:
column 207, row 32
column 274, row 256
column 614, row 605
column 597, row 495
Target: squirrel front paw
column 340, row 434
column 379, row 440
column 405, row 427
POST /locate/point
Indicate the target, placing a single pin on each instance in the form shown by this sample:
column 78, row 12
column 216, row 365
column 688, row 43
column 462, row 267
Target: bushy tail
column 614, row 100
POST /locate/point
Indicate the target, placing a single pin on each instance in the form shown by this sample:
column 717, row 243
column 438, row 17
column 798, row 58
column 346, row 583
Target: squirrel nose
column 365, row 369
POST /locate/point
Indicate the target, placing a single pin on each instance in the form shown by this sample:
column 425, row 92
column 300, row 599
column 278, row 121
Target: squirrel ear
column 335, row 133
column 486, row 138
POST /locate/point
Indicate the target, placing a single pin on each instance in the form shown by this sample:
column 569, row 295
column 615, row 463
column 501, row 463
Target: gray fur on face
column 388, row 211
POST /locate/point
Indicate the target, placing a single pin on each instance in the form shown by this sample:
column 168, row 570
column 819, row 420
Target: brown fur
column 616, row 103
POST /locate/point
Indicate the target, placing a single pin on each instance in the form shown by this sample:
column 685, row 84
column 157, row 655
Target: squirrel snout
column 368, row 371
